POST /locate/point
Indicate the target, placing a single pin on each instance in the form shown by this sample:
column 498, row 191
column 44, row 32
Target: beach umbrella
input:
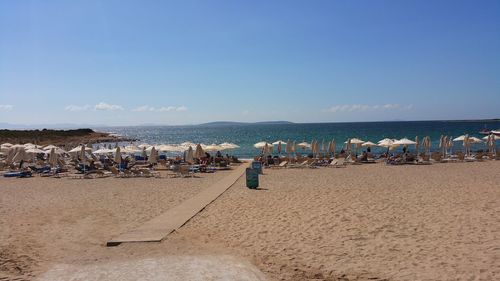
column 368, row 144
column 35, row 150
column 10, row 155
column 449, row 145
column 403, row 141
column 49, row 147
column 153, row 157
column 78, row 149
column 474, row 140
column 279, row 142
column 53, row 157
column 356, row 141
column 304, row 145
column 460, row 138
column 118, row 156
column 465, row 143
column 229, row 145
column 131, row 149
column 261, row 144
column 495, row 137
column 288, row 148
column 417, row 144
column 20, row 155
column 213, row 147
column 144, row 145
column 103, row 151
column 199, row 153
column 7, row 144
column 189, row 155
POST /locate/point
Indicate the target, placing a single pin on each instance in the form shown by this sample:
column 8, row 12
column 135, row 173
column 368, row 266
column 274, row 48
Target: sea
column 246, row 135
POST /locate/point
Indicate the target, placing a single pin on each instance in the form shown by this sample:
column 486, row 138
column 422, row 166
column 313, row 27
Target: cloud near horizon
column 146, row 108
column 365, row 107
column 6, row 107
column 102, row 106
column 108, row 107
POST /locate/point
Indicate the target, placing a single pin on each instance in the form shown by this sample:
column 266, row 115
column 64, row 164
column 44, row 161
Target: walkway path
column 158, row 228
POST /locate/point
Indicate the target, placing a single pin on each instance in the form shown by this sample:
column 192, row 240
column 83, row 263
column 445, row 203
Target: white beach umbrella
column 494, row 136
column 153, row 157
column 53, row 157
column 417, row 144
column 261, row 144
column 7, row 144
column 82, row 154
column 368, row 144
column 449, row 145
column 288, row 148
column 403, row 141
column 10, row 155
column 78, row 149
column 465, row 143
column 190, row 155
column 20, row 155
column 213, row 147
column 460, row 138
column 474, row 140
column 35, row 150
column 49, row 147
column 132, row 149
column 304, row 145
column 118, row 155
column 144, row 145
column 199, row 153
column 229, row 145
column 356, row 141
column 279, row 142
column 103, row 151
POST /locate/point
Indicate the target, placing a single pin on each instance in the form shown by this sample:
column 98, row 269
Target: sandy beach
column 366, row 222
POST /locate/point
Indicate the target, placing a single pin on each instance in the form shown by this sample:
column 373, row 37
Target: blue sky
column 186, row 62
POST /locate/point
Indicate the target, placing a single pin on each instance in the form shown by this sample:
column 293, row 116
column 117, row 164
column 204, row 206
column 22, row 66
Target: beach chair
column 185, row 171
column 281, row 165
column 340, row 163
column 148, row 173
column 479, row 156
column 115, row 172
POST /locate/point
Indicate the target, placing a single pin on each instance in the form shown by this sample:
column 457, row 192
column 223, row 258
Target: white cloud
column 145, row 108
column 77, row 108
column 108, row 107
column 365, row 107
column 6, row 107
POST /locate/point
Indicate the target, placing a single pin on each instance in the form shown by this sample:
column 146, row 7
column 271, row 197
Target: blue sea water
column 248, row 134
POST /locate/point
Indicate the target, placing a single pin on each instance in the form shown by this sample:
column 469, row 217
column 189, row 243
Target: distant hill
column 229, row 123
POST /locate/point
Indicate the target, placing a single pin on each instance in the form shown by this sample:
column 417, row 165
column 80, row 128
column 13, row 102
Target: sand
column 367, row 222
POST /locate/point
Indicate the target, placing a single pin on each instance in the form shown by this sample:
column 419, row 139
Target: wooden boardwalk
column 159, row 227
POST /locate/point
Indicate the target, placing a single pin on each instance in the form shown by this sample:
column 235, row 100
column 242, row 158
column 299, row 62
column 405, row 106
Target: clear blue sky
column 184, row 62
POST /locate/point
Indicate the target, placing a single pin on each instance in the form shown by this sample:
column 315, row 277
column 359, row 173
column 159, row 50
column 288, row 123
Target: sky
column 119, row 62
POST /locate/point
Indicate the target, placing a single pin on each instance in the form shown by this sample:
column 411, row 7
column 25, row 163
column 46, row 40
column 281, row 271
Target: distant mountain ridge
column 227, row 123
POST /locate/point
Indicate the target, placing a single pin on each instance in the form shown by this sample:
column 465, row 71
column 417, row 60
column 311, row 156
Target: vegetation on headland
column 57, row 137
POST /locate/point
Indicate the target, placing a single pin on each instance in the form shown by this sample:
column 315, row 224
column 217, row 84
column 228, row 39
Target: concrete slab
column 159, row 227
column 168, row 268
